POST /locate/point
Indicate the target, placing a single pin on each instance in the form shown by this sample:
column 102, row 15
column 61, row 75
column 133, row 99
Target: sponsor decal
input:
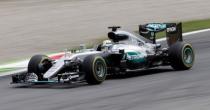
column 135, row 57
column 171, row 29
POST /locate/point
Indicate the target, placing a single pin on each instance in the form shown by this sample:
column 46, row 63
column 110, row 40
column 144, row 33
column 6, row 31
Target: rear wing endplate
column 173, row 31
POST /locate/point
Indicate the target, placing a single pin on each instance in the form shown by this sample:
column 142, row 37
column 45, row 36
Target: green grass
column 10, row 61
column 196, row 25
column 2, row 70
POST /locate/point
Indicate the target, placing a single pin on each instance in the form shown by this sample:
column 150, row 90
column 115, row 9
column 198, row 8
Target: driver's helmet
column 107, row 43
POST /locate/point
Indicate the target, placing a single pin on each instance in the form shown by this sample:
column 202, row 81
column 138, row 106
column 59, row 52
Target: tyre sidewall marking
column 93, row 68
column 183, row 52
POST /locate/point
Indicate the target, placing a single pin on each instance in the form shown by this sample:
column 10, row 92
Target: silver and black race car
column 124, row 51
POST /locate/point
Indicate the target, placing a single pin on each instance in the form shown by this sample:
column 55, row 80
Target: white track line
column 23, row 64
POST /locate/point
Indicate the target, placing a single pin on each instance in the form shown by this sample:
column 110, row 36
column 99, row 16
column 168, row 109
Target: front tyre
column 181, row 56
column 95, row 69
column 39, row 64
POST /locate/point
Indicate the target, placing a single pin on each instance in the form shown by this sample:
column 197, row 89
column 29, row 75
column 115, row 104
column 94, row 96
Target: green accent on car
column 188, row 56
column 135, row 57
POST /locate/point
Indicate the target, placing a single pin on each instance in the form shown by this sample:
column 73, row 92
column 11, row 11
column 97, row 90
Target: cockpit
column 123, row 37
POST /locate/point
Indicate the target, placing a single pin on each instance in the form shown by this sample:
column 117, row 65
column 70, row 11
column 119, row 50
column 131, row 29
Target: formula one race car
column 124, row 51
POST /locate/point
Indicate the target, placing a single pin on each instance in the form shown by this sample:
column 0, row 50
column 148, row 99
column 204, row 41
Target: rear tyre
column 39, row 64
column 95, row 69
column 181, row 56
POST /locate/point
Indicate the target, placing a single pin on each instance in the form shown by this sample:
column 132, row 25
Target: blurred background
column 29, row 27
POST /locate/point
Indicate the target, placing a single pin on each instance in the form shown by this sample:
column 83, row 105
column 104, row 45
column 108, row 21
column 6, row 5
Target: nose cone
column 54, row 69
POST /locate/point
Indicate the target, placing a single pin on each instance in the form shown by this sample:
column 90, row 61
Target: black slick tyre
column 39, row 64
column 181, row 56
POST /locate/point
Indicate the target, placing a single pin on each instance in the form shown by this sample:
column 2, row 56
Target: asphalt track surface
column 29, row 27
column 156, row 89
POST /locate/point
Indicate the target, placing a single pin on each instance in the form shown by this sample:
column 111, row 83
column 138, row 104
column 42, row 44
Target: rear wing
column 173, row 31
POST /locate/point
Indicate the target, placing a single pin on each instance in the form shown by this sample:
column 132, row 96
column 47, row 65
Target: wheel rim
column 100, row 69
column 188, row 56
column 44, row 65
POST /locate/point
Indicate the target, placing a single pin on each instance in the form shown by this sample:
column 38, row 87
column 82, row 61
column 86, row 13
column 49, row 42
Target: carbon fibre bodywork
column 124, row 51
